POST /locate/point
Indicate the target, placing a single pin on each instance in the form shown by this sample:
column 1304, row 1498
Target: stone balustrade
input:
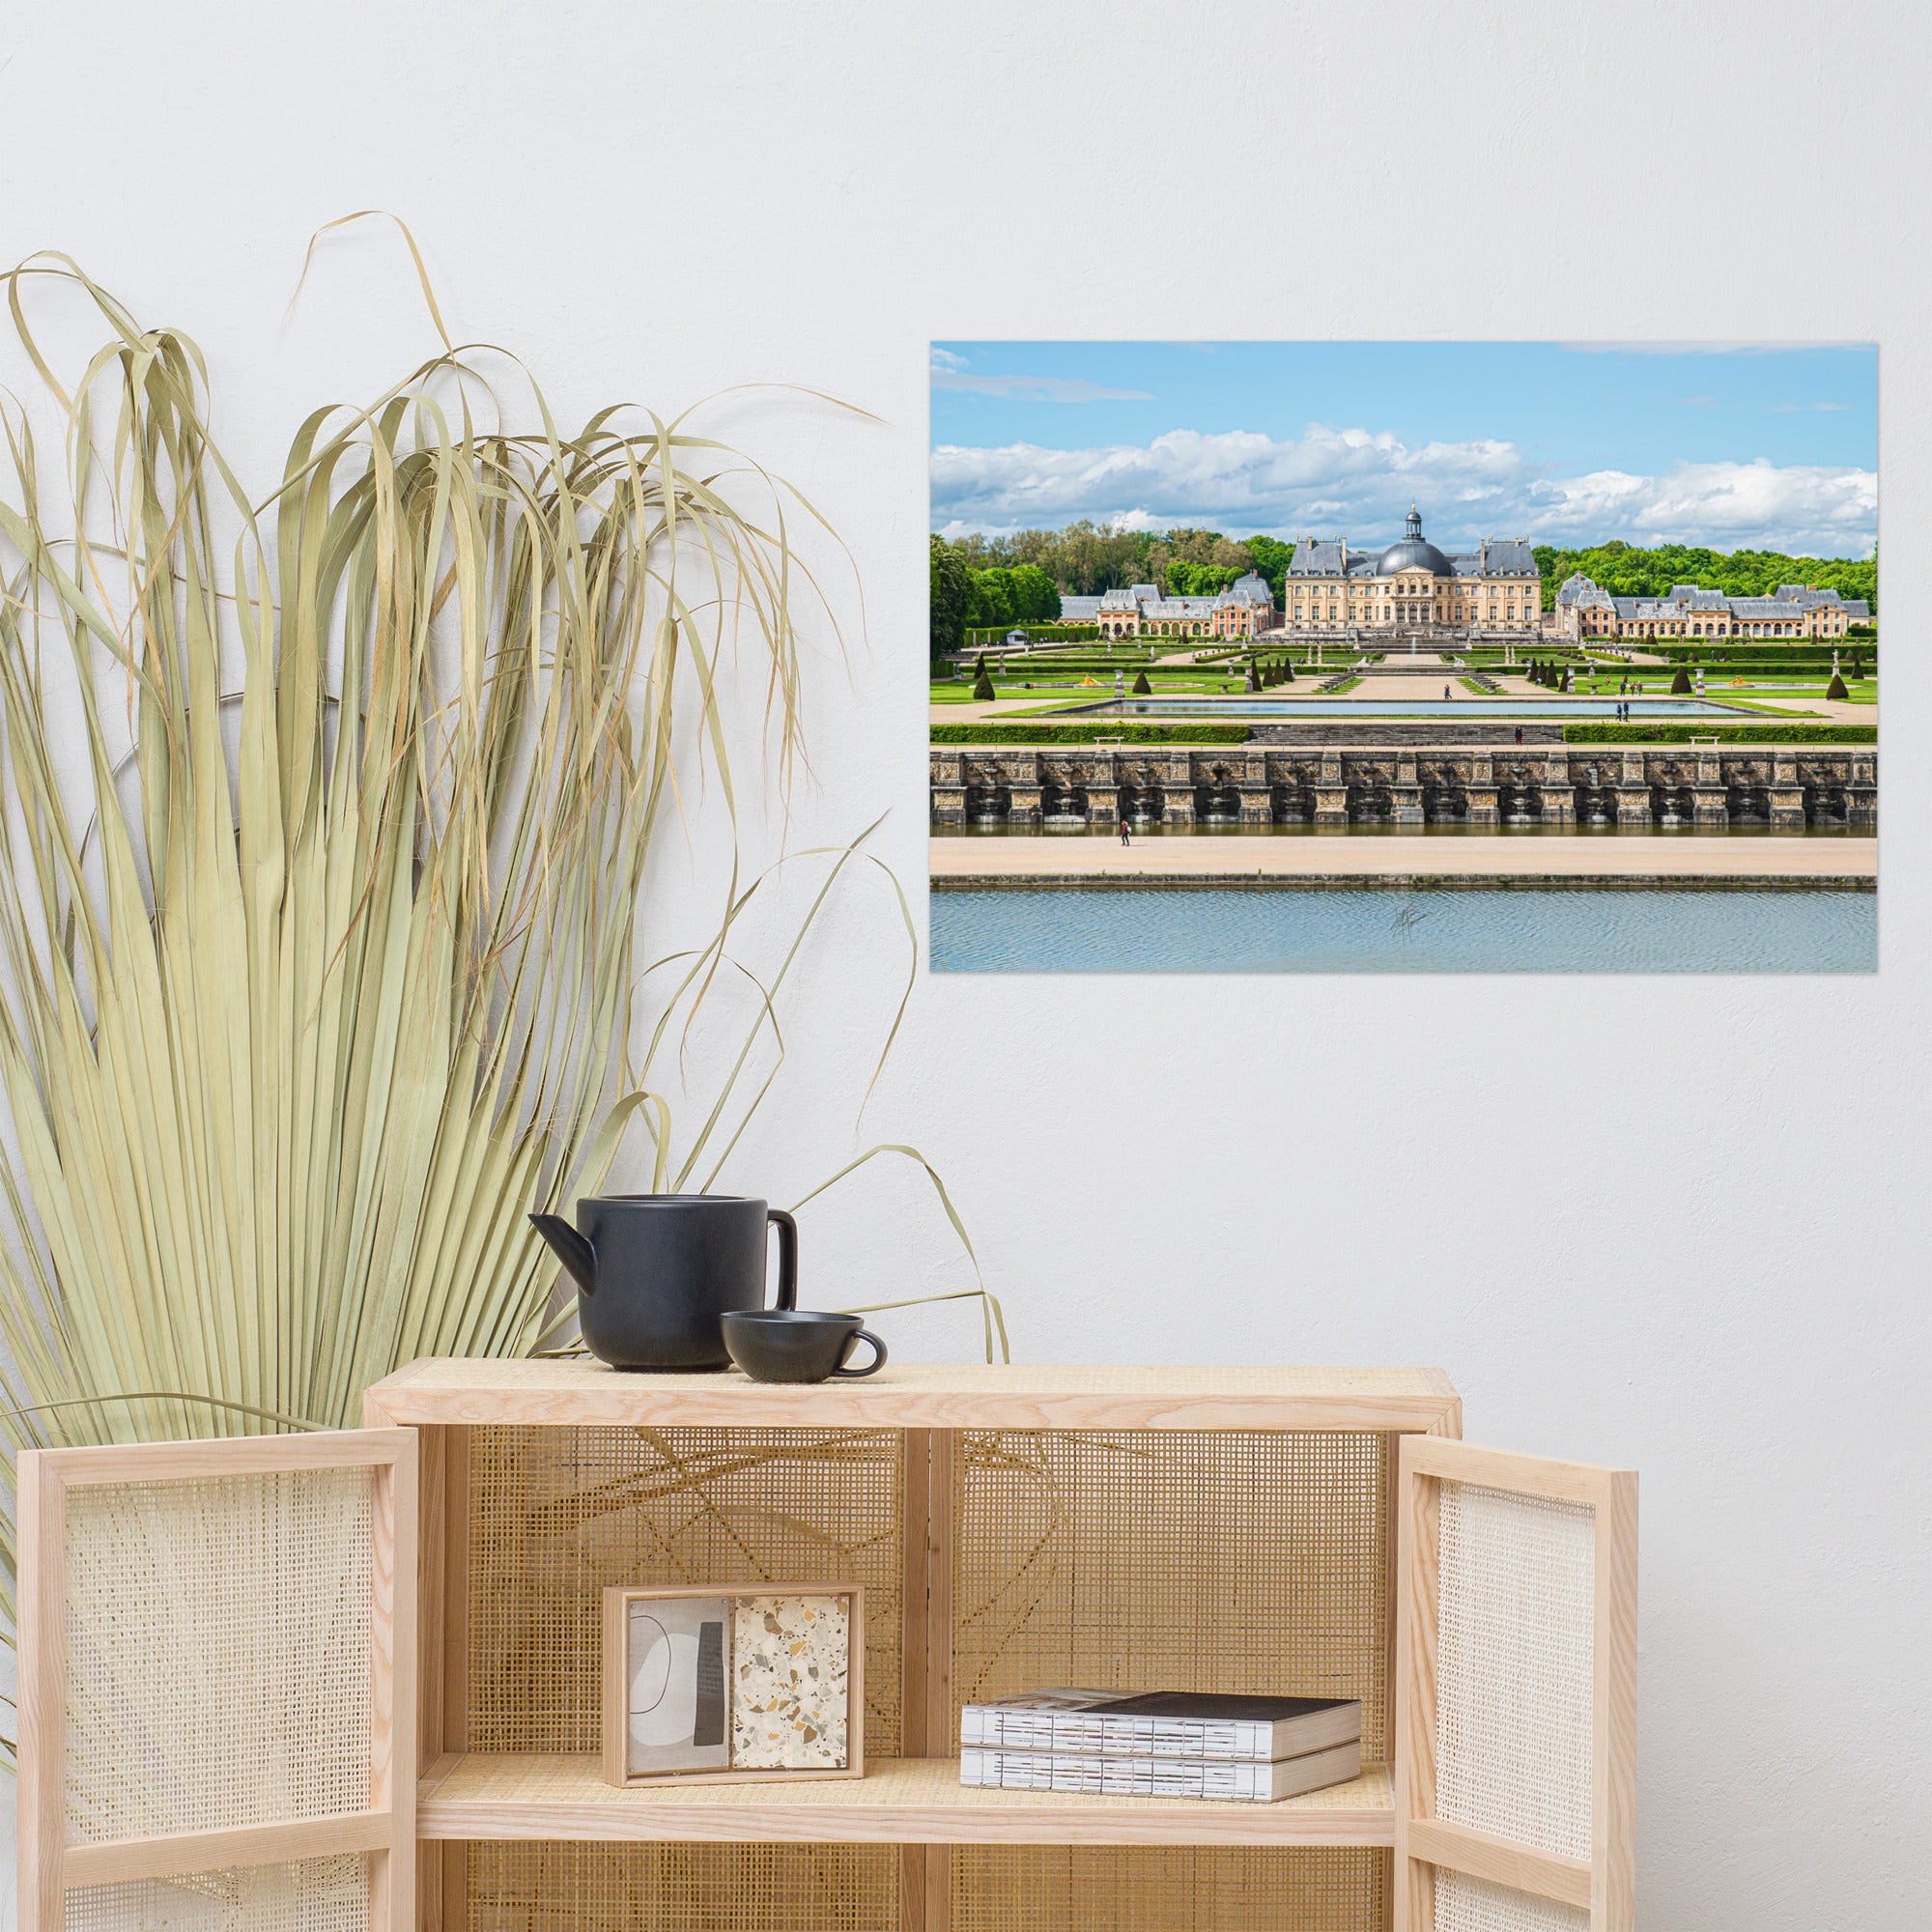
column 1784, row 787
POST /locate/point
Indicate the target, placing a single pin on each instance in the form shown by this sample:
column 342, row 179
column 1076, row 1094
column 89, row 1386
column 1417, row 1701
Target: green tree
column 1680, row 685
column 1837, row 687
column 1142, row 687
column 1036, row 597
column 951, row 599
column 992, row 605
column 982, row 687
column 1270, row 557
column 1628, row 571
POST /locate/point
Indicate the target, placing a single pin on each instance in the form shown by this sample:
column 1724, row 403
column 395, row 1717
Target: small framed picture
column 750, row 1684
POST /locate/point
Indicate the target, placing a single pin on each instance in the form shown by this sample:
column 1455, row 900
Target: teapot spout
column 570, row 1248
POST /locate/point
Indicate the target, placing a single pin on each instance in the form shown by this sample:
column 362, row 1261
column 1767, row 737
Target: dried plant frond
column 319, row 970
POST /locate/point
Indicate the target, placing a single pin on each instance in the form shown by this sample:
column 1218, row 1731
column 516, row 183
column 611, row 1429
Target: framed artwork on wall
column 1350, row 657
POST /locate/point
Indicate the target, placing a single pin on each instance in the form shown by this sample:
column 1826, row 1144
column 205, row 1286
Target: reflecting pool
column 1292, row 929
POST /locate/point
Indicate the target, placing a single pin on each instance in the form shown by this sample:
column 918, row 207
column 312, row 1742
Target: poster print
column 1404, row 657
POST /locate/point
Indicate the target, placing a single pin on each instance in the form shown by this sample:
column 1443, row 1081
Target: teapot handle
column 788, row 1257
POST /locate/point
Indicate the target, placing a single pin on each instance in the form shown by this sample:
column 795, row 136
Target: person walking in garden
column 1124, row 840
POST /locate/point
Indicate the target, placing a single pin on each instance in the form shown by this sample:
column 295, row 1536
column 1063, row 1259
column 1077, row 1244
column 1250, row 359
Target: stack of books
column 1164, row 1744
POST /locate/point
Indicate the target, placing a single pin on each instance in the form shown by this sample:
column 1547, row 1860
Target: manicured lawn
column 1776, row 691
column 1753, row 692
column 1071, row 691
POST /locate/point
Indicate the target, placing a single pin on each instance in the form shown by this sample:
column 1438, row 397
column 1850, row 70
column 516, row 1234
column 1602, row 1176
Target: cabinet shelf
column 899, row 1802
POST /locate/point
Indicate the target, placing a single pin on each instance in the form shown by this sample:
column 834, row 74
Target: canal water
column 1290, row 930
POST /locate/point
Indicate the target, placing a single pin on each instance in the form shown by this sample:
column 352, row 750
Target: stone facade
column 1244, row 610
column 1411, row 586
column 1586, row 612
column 1785, row 787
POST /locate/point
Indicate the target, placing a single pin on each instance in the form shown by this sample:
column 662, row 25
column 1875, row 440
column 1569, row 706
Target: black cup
column 791, row 1344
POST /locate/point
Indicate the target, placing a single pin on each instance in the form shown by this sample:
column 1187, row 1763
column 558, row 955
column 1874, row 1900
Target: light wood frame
column 614, row 1726
column 385, row 1828
column 1602, row 1886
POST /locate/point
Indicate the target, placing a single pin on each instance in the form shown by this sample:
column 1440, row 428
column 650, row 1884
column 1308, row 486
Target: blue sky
column 1733, row 446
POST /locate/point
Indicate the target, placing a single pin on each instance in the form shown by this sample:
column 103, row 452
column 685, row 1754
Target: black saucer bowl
column 796, row 1345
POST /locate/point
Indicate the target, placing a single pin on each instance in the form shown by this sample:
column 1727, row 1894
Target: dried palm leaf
column 319, row 973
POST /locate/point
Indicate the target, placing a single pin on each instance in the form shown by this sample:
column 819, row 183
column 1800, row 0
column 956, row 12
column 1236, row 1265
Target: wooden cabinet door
column 1516, row 1693
column 218, row 1685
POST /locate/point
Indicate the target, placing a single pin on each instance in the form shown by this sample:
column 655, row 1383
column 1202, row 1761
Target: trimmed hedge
column 1754, row 651
column 1726, row 734
column 1043, row 629
column 1028, row 731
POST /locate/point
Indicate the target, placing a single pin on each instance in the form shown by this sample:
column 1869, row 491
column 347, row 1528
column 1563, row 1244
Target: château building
column 1585, row 610
column 1244, row 610
column 1411, row 585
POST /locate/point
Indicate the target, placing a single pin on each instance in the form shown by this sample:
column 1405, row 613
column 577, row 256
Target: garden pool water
column 1295, row 929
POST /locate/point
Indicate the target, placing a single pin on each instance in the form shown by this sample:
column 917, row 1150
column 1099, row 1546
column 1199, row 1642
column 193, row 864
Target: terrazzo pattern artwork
column 790, row 1682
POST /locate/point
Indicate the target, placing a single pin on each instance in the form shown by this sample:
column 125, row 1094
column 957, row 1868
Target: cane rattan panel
column 531, row 1886
column 218, row 1654
column 1465, row 1904
column 556, row 1515
column 1513, row 1668
column 1252, row 1560
column 1114, row 1889
column 313, row 1895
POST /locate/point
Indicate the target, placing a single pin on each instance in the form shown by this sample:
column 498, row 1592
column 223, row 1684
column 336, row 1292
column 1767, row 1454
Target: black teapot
column 656, row 1273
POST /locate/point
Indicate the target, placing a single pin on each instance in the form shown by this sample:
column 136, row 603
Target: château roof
column 1253, row 588
column 1495, row 556
column 1765, row 607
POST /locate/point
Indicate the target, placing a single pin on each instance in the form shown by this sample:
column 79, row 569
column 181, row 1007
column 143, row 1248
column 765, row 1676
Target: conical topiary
column 1680, row 685
column 1837, row 687
column 982, row 689
column 1142, row 687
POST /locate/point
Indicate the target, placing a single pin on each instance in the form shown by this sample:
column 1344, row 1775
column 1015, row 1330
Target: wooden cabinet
column 1316, row 1530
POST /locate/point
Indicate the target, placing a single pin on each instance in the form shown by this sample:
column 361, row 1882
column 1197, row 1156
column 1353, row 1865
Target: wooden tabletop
column 581, row 1391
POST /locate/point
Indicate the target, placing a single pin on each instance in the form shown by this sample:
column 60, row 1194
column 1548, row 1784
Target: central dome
column 1412, row 554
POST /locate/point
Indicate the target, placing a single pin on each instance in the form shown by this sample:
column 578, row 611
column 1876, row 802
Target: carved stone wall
column 1784, row 787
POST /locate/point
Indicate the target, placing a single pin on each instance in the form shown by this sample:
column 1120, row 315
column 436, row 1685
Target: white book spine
column 1010, row 1728
column 1116, row 1777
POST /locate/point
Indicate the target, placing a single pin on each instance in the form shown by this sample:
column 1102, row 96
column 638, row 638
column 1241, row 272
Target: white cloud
column 1036, row 389
column 1349, row 482
column 1731, row 505
column 948, row 372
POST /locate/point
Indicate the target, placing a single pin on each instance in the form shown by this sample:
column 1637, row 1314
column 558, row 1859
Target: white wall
column 1678, row 1223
